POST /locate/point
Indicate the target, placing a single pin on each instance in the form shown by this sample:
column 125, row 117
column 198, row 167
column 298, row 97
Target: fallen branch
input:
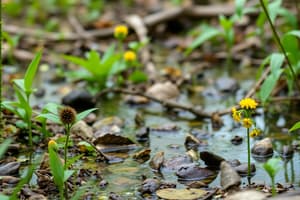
column 198, row 112
column 150, row 20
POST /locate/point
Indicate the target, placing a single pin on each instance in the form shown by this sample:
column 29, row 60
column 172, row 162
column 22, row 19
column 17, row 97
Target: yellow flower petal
column 248, row 103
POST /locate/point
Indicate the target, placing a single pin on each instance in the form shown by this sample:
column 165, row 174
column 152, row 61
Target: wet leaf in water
column 182, row 194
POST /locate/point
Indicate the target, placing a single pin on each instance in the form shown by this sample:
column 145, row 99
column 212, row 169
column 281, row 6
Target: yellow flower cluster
column 129, row 56
column 52, row 144
column 248, row 103
column 236, row 115
column 255, row 132
column 120, row 32
column 247, row 122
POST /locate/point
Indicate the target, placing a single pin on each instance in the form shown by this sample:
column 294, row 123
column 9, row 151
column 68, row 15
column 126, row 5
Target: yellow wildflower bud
column 248, row 103
column 255, row 132
column 235, row 114
column 52, row 144
column 247, row 122
column 129, row 56
column 121, row 32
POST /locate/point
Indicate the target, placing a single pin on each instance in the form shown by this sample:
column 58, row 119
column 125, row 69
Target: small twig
column 77, row 26
column 171, row 104
column 258, row 83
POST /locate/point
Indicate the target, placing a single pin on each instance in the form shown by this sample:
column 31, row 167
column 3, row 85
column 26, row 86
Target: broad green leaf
column 138, row 76
column 276, row 62
column 108, row 53
column 273, row 9
column 206, row 34
column 295, row 127
column 272, row 166
column 289, row 17
column 294, row 33
column 83, row 114
column 117, row 67
column 51, row 107
column 68, row 174
column 4, row 146
column 31, row 71
column 50, row 116
column 20, row 84
column 56, row 167
column 76, row 60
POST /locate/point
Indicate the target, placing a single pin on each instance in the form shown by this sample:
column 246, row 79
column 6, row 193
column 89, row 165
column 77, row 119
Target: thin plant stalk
column 67, row 127
column 249, row 164
column 273, row 186
column 279, row 43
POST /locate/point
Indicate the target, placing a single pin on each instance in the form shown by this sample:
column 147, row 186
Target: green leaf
column 51, row 117
column 295, row 127
column 72, row 160
column 31, row 71
column 4, row 146
column 68, row 174
column 272, row 166
column 79, row 192
column 108, row 53
column 270, row 82
column 83, row 114
column 51, row 107
column 207, row 34
column 20, row 84
column 56, row 167
column 138, row 76
column 273, row 9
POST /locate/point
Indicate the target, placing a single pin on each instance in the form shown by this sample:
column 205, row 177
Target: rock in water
column 82, row 129
column 210, row 159
column 262, row 148
column 229, row 177
column 79, row 100
column 226, row 84
column 10, row 168
column 157, row 160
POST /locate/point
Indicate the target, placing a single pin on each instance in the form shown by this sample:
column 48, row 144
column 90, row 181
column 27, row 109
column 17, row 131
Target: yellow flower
column 129, row 56
column 52, row 144
column 236, row 115
column 121, row 32
column 247, row 122
column 248, row 103
column 255, row 132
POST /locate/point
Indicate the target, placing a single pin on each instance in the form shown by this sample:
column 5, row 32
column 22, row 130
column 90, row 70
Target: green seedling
column 272, row 167
column 97, row 69
column 23, row 89
column 60, row 175
column 65, row 116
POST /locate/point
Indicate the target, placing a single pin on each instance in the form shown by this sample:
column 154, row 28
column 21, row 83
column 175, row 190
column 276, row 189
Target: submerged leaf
column 182, row 194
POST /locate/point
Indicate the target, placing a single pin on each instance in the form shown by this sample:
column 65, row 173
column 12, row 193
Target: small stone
column 37, row 197
column 236, row 140
column 176, row 162
column 103, row 183
column 142, row 134
column 164, row 91
column 229, row 177
column 80, row 100
column 242, row 169
column 286, row 152
column 226, row 84
column 247, row 194
column 82, row 129
column 149, row 186
column 262, row 148
column 157, row 160
column 142, row 156
column 211, row 159
column 11, row 168
column 192, row 172
column 191, row 142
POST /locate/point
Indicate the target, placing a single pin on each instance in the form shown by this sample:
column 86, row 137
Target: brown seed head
column 67, row 115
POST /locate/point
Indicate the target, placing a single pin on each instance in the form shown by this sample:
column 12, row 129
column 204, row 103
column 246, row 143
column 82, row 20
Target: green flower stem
column 273, row 186
column 249, row 164
column 67, row 127
column 280, row 44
